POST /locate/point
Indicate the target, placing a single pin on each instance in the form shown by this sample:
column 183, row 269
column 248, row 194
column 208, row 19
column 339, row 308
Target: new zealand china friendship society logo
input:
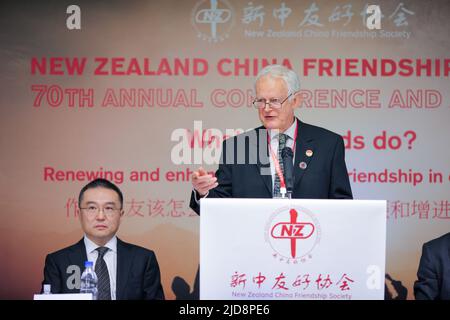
column 293, row 233
column 212, row 20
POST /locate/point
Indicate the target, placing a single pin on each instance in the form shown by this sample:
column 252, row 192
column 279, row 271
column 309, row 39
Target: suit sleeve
column 427, row 285
column 152, row 280
column 339, row 183
column 52, row 275
column 224, row 178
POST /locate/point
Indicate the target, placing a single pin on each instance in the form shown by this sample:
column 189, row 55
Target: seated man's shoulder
column 441, row 243
column 64, row 251
column 141, row 251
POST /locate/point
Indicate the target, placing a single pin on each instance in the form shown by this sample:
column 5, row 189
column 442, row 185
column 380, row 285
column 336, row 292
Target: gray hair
column 278, row 71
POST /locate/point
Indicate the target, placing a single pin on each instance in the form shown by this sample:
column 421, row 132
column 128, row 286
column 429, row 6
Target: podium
column 292, row 249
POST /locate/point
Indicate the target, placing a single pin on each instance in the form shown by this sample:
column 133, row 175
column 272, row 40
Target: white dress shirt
column 110, row 258
column 290, row 133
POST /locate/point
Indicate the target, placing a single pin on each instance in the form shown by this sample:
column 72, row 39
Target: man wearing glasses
column 251, row 164
column 124, row 271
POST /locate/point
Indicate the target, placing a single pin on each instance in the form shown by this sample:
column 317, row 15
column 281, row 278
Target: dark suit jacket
column 433, row 275
column 325, row 176
column 138, row 275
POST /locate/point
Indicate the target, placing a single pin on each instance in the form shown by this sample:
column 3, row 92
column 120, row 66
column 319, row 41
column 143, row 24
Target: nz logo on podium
column 212, row 20
column 291, row 235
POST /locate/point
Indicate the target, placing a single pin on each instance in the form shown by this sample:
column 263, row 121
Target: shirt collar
column 290, row 132
column 91, row 246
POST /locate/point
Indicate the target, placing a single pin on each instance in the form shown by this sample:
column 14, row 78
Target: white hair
column 278, row 71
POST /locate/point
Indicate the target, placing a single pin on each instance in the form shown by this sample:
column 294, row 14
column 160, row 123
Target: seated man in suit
column 251, row 165
column 124, row 271
column 433, row 275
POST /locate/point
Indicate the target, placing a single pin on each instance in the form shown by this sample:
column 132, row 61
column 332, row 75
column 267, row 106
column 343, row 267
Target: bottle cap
column 88, row 264
column 47, row 288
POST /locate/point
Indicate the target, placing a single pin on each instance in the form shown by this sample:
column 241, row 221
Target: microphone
column 288, row 167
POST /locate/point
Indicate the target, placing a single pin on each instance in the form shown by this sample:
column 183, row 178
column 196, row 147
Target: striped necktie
column 281, row 144
column 101, row 269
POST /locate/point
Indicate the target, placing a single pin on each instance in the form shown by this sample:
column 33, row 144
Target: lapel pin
column 302, row 165
column 309, row 153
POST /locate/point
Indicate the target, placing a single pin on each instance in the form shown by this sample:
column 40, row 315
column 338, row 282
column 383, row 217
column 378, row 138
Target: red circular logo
column 293, row 233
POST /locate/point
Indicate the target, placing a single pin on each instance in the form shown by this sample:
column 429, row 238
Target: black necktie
column 101, row 269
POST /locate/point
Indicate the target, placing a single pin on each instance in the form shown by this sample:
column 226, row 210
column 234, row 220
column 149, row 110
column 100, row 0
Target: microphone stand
column 288, row 156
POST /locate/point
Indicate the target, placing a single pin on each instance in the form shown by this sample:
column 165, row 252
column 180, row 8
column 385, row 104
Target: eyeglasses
column 275, row 103
column 94, row 210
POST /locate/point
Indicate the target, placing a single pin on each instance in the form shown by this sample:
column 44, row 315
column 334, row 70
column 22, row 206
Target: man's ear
column 297, row 100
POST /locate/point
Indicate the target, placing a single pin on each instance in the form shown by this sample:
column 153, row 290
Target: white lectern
column 292, row 249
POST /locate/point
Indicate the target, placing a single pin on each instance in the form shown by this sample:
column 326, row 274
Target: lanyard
column 276, row 163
